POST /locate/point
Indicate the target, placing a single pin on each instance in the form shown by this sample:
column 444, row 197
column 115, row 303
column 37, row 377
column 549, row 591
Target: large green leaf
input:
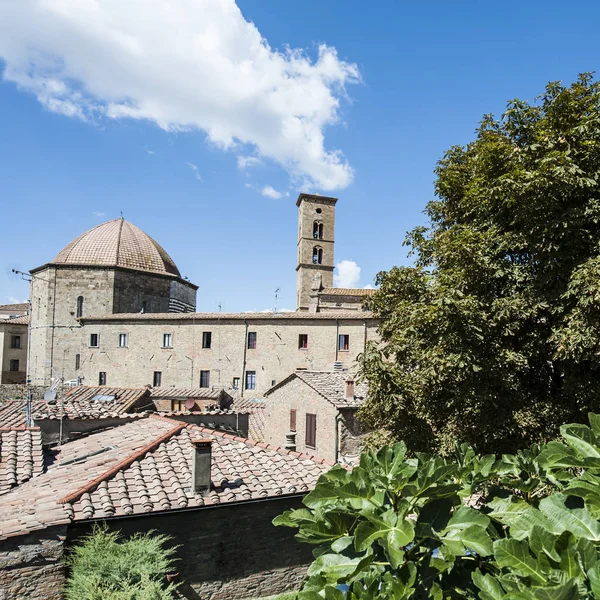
column 378, row 526
column 474, row 538
column 333, row 567
column 582, row 439
column 489, row 587
column 542, row 540
column 577, row 521
column 514, row 554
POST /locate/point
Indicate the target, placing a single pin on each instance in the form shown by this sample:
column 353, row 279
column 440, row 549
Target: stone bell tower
column 316, row 222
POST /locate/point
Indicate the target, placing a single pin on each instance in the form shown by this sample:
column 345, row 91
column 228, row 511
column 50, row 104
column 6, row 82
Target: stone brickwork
column 227, row 552
column 276, row 354
column 19, row 392
column 31, row 566
column 8, row 332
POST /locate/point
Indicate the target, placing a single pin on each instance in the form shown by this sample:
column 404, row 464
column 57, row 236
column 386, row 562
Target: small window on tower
column 102, row 378
column 252, row 340
column 15, row 342
column 344, row 342
column 303, row 341
column 94, row 340
column 250, row 380
column 157, row 379
column 236, row 383
column 77, row 361
column 167, row 341
column 122, row 340
column 79, row 306
column 317, row 257
column 204, row 379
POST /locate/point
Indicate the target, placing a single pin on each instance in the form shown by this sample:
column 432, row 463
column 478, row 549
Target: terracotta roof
column 22, row 320
column 330, row 384
column 117, row 243
column 257, row 419
column 12, row 412
column 21, row 456
column 347, row 292
column 145, row 466
column 171, row 393
column 302, row 315
column 85, row 402
column 23, row 307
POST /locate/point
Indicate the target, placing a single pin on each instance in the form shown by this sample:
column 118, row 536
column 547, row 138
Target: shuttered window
column 293, row 419
column 311, row 430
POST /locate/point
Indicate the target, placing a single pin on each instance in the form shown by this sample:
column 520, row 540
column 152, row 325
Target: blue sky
column 194, row 129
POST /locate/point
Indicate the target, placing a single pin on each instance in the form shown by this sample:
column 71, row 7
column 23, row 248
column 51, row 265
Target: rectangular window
column 303, row 341
column 311, row 430
column 250, row 380
column 157, row 379
column 122, row 340
column 77, row 361
column 94, row 340
column 204, row 379
column 293, row 419
column 167, row 340
column 15, row 342
column 177, row 404
column 251, row 340
column 344, row 342
column 236, row 383
column 206, row 339
column 102, row 378
column 14, row 364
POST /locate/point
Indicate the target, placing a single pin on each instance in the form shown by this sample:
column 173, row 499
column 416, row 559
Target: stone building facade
column 13, row 350
column 315, row 412
column 112, row 309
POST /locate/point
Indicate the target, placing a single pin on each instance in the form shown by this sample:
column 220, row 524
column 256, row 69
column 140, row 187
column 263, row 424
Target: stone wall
column 7, row 353
column 19, row 392
column 351, row 433
column 31, row 565
column 229, row 552
column 299, row 396
column 276, row 354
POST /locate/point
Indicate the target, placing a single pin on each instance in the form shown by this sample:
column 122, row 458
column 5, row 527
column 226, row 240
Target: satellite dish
column 50, row 395
column 190, row 403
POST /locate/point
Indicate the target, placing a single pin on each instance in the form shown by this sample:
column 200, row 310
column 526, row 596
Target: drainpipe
column 242, row 381
column 338, row 420
column 337, row 338
column 365, row 340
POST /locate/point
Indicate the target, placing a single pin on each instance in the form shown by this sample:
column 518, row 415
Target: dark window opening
column 122, row 340
column 250, row 380
column 318, row 211
column 317, row 256
column 15, row 342
column 236, row 383
column 252, row 340
column 206, row 339
column 344, row 342
column 102, row 378
column 144, row 305
column 79, row 306
column 14, row 364
column 303, row 341
column 94, row 340
column 311, row 430
column 167, row 340
column 318, row 230
column 293, row 419
column 77, row 361
column 204, row 379
column 157, row 379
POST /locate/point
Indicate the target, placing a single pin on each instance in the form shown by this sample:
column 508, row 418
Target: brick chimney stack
column 349, row 395
column 201, row 463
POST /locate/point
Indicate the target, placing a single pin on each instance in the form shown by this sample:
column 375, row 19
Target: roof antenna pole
column 276, row 296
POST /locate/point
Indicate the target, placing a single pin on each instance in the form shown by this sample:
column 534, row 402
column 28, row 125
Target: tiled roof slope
column 330, row 384
column 12, row 412
column 168, row 393
column 21, row 456
column 22, row 307
column 145, row 466
column 22, row 320
column 117, row 243
column 256, row 419
column 349, row 315
column 348, row 291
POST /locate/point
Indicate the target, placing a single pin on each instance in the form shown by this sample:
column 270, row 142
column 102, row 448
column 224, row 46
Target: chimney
column 201, row 463
column 349, row 394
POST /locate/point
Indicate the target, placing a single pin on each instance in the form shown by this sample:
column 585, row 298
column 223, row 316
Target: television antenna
column 276, row 296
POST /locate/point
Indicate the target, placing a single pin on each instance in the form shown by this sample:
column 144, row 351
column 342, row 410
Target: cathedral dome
column 117, row 243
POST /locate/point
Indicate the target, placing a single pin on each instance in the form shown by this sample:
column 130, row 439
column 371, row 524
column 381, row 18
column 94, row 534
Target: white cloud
column 98, row 214
column 148, row 151
column 245, row 162
column 270, row 192
column 184, row 65
column 13, row 300
column 368, row 287
column 194, row 168
column 346, row 274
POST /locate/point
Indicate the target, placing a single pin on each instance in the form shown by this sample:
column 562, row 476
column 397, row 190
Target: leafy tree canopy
column 520, row 527
column 493, row 336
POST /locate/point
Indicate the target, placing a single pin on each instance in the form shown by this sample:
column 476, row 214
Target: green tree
column 105, row 567
column 493, row 336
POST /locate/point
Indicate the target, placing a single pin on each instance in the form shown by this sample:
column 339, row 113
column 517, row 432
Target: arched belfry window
column 79, row 306
column 317, row 255
column 318, row 230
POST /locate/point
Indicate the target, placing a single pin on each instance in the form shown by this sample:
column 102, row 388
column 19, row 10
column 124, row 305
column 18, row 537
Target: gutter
column 243, row 379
